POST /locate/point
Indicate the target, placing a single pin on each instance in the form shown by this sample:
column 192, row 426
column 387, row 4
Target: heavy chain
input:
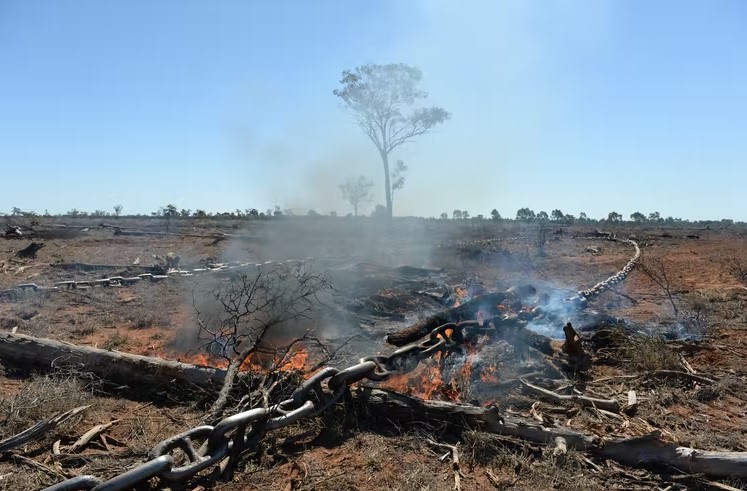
column 613, row 280
column 225, row 443
column 120, row 281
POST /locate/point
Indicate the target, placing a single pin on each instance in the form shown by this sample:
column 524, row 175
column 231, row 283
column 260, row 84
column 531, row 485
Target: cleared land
column 363, row 446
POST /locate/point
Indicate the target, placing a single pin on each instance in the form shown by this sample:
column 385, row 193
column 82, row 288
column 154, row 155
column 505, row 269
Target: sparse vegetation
column 115, row 341
column 150, row 319
column 648, row 353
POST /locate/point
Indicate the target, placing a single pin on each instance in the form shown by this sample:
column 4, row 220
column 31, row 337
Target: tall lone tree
column 398, row 177
column 384, row 100
column 356, row 191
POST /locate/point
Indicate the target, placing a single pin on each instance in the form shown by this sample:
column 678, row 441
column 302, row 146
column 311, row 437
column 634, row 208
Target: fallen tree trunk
column 633, row 452
column 135, row 371
column 104, row 267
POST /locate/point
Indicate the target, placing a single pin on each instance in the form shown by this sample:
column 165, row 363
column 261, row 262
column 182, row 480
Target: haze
column 583, row 106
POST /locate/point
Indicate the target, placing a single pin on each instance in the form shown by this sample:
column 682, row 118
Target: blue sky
column 625, row 105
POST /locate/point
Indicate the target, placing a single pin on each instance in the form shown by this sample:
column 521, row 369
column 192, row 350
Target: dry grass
column 648, row 353
column 519, row 465
column 115, row 341
column 41, row 398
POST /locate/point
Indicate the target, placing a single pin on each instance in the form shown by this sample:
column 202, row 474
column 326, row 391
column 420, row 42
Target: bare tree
column 656, row 270
column 378, row 96
column 117, row 210
column 356, row 190
column 249, row 306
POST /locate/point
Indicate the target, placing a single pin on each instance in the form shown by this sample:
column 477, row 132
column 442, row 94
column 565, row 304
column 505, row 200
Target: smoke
column 556, row 309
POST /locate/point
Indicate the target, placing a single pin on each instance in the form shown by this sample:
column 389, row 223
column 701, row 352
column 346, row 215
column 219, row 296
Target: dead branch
column 607, row 404
column 657, row 271
column 682, row 375
column 649, row 449
column 20, row 459
column 39, row 429
column 249, row 306
column 454, row 462
column 91, row 434
column 331, row 354
column 468, row 310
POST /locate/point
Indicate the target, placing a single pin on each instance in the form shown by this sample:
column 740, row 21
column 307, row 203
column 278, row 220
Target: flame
column 466, row 371
column 201, row 359
column 488, row 375
column 296, row 360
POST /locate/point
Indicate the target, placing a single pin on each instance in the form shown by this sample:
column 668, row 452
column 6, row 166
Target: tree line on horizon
column 523, row 215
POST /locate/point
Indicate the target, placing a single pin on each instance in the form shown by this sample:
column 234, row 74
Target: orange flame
column 296, row 360
column 488, row 375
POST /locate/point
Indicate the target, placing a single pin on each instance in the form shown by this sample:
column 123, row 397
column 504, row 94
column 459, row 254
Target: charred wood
column 30, row 250
column 488, row 304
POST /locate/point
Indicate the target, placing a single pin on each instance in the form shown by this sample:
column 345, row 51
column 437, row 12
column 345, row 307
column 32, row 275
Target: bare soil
column 341, row 452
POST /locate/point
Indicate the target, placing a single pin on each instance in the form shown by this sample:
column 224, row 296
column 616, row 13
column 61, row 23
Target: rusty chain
column 223, row 444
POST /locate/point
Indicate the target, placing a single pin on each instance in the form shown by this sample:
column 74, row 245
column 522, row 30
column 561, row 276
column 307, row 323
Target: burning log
column 135, row 371
column 648, row 450
column 488, row 304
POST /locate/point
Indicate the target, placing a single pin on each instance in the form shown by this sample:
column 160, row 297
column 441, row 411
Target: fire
column 296, row 360
column 466, row 371
column 488, row 375
column 425, row 382
column 204, row 360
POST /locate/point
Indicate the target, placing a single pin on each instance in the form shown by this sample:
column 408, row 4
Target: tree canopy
column 384, row 100
column 356, row 191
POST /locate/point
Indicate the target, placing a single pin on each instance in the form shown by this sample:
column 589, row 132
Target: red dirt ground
column 157, row 319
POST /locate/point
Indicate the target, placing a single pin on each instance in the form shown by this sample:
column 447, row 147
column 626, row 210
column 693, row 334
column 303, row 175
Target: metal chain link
column 236, row 434
column 616, row 278
column 120, row 281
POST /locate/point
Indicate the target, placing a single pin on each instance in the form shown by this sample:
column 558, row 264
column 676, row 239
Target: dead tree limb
column 682, row 375
column 91, row 434
column 249, row 305
column 39, row 429
column 468, row 310
column 610, row 405
column 454, row 462
column 20, row 459
column 649, row 449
